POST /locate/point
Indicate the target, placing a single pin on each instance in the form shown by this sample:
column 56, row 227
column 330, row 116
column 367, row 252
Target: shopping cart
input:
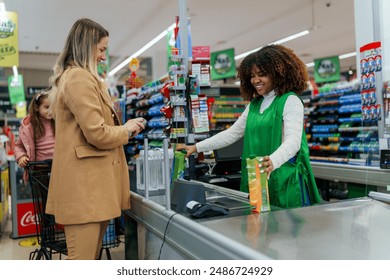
column 51, row 236
column 111, row 238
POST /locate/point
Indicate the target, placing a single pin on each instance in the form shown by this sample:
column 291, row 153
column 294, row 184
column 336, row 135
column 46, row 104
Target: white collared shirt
column 293, row 115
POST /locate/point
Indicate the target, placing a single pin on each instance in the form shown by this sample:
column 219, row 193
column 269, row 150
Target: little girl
column 36, row 133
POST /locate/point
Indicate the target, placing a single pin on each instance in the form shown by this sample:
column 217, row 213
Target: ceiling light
column 141, row 50
column 292, row 37
column 347, row 55
column 311, row 64
column 286, row 39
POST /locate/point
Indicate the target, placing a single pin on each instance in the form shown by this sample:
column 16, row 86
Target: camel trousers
column 84, row 241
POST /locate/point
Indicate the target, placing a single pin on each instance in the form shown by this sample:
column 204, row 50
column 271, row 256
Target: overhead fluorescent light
column 292, row 37
column 141, row 50
column 311, row 64
column 286, row 39
column 347, row 55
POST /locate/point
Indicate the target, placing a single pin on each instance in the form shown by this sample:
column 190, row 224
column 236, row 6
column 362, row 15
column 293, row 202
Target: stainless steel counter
column 179, row 236
column 349, row 229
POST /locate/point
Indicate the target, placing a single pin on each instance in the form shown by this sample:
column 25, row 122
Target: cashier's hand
column 267, row 166
column 189, row 148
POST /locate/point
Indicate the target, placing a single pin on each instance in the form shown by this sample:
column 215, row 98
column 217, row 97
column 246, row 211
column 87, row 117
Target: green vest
column 292, row 184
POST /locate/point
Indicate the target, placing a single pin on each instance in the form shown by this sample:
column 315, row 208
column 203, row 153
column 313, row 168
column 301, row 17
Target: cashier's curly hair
column 286, row 70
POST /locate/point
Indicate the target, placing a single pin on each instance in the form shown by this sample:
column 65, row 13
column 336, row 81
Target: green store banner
column 9, row 49
column 223, row 64
column 327, row 69
column 16, row 89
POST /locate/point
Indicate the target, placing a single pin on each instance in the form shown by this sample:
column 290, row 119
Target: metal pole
column 167, row 174
column 146, row 167
column 183, row 31
column 376, row 15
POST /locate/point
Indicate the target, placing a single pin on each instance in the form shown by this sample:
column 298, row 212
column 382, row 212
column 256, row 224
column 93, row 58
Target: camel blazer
column 90, row 177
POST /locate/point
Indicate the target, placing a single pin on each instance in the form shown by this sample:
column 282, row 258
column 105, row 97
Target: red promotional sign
column 201, row 52
column 26, row 219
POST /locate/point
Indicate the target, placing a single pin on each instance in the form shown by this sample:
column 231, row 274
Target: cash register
column 227, row 169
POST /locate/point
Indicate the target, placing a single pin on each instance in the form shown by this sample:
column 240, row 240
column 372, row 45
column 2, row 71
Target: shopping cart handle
column 42, row 162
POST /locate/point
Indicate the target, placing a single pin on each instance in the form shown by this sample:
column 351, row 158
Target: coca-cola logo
column 28, row 219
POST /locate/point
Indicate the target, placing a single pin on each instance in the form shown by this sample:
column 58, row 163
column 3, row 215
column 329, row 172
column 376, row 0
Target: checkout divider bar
column 167, row 176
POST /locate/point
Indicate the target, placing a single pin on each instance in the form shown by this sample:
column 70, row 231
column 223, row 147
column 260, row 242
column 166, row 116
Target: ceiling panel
column 221, row 24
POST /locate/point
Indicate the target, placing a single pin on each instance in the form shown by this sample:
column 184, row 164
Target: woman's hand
column 267, row 166
column 135, row 126
column 22, row 162
column 189, row 148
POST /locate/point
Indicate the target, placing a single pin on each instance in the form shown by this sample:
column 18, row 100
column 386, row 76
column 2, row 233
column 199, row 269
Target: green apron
column 292, row 184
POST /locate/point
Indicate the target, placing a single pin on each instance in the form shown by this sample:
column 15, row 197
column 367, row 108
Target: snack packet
column 258, row 185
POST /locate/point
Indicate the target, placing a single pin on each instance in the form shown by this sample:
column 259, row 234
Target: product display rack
column 336, row 130
column 177, row 102
column 225, row 105
column 343, row 142
column 146, row 102
column 201, row 68
column 226, row 110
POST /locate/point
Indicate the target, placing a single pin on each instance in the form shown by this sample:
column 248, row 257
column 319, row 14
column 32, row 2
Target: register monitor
column 228, row 159
column 232, row 152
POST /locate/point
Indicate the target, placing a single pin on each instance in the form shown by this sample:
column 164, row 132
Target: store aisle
column 20, row 249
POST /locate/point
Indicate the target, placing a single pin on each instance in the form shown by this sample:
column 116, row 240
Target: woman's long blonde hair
column 80, row 50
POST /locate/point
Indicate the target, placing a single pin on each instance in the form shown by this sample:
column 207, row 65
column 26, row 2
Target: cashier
column 272, row 126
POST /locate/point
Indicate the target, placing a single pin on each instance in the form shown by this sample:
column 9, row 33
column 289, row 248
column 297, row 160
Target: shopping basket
column 51, row 236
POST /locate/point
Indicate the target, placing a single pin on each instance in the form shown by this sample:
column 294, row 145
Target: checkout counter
column 350, row 229
column 342, row 230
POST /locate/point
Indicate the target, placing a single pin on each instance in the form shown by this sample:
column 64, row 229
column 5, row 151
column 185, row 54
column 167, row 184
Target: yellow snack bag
column 258, row 185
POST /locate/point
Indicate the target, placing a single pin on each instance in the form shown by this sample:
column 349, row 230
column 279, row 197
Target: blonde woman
column 89, row 181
